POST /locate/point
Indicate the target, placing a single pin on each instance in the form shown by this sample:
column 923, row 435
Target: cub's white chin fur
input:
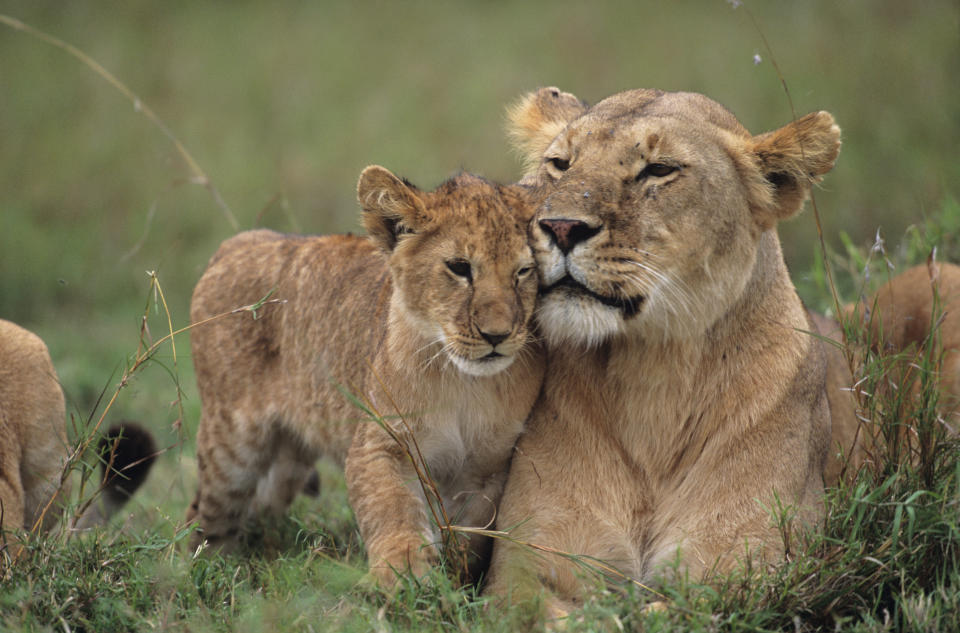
column 577, row 320
column 482, row 367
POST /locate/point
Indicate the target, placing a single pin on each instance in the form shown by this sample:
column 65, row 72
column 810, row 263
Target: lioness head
column 653, row 206
column 463, row 273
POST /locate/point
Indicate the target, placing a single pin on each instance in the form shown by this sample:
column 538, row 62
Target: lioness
column 427, row 320
column 684, row 399
column 34, row 447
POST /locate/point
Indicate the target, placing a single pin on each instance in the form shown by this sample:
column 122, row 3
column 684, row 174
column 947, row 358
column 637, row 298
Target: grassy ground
column 282, row 105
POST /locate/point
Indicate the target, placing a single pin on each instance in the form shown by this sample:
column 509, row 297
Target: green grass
column 282, row 105
column 886, row 558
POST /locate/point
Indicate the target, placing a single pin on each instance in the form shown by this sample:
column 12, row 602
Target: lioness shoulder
column 426, row 322
column 684, row 399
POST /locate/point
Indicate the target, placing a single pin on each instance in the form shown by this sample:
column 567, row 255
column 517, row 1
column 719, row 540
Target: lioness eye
column 460, row 268
column 658, row 170
column 560, row 163
column 523, row 272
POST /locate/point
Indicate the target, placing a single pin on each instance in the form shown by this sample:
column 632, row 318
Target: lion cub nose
column 494, row 338
column 567, row 233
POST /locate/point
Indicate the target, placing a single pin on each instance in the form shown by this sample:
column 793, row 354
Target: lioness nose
column 567, row 233
column 494, row 338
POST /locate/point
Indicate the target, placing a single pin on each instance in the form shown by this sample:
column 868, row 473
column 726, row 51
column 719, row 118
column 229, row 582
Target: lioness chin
column 427, row 321
column 684, row 400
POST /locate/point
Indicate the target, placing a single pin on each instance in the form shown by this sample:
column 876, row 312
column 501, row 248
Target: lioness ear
column 536, row 119
column 391, row 206
column 792, row 159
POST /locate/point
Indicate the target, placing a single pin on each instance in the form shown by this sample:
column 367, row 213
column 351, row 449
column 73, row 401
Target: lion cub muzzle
column 497, row 337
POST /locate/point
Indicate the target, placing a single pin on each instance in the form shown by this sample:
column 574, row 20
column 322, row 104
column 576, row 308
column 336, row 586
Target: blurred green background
column 283, row 104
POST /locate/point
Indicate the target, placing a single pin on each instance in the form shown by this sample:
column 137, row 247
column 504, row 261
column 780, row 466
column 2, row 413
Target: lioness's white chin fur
column 579, row 321
column 487, row 367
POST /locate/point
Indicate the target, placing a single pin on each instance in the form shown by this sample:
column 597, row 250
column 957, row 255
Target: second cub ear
column 391, row 206
column 537, row 118
column 791, row 159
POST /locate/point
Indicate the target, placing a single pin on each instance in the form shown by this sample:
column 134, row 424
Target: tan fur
column 388, row 319
column 683, row 395
column 536, row 119
column 33, row 440
column 902, row 314
column 846, row 445
column 899, row 317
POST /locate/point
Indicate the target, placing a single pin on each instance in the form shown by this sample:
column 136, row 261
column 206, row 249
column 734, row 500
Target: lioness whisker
column 676, row 287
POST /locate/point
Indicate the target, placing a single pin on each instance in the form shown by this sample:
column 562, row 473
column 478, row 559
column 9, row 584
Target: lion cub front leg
column 393, row 519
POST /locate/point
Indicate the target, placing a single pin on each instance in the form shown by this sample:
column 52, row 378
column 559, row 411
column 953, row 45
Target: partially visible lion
column 535, row 120
column 33, row 437
column 904, row 312
column 898, row 319
column 427, row 322
column 684, row 402
column 33, row 442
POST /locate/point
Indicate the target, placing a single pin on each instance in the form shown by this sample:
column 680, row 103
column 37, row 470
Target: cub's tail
column 127, row 452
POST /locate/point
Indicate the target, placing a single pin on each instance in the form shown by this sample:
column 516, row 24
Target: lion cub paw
column 413, row 558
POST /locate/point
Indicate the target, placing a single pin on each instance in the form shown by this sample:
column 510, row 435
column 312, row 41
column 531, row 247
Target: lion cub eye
column 524, row 272
column 658, row 170
column 561, row 164
column 460, row 268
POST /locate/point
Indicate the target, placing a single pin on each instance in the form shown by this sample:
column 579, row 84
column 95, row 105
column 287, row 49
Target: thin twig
column 813, row 199
column 198, row 176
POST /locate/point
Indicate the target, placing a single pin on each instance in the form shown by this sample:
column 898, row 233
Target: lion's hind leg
column 246, row 469
column 291, row 466
column 11, row 492
column 41, row 472
column 231, row 459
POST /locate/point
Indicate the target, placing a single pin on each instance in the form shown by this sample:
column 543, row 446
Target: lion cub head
column 463, row 273
column 653, row 206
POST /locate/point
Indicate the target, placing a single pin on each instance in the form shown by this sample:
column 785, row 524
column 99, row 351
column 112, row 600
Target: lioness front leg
column 393, row 519
column 541, row 584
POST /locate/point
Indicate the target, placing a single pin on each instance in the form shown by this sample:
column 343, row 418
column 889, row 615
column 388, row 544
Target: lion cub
column 427, row 320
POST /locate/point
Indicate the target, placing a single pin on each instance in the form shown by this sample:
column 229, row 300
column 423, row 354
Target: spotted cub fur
column 426, row 321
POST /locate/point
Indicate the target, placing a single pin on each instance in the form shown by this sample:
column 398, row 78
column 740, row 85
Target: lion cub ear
column 536, row 119
column 791, row 160
column 391, row 206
